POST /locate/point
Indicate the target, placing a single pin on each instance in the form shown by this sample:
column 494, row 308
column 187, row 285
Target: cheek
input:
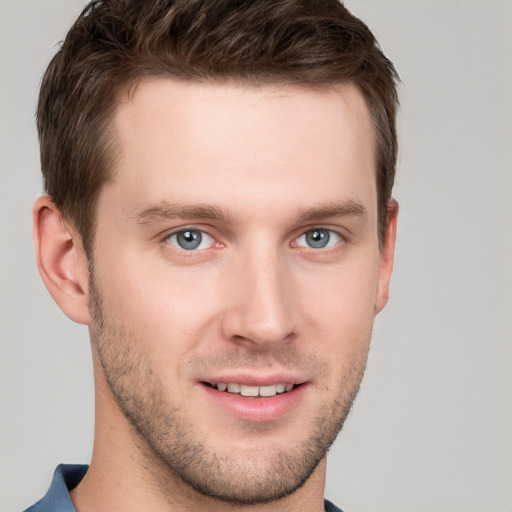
column 168, row 309
column 338, row 310
column 343, row 297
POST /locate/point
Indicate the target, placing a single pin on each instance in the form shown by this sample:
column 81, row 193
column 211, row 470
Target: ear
column 387, row 256
column 62, row 262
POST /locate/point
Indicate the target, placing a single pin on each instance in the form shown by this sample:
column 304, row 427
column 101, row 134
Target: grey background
column 432, row 427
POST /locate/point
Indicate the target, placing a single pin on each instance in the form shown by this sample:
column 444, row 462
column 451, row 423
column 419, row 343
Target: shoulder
column 65, row 478
column 330, row 507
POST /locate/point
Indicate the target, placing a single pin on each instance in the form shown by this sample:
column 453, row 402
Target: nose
column 260, row 311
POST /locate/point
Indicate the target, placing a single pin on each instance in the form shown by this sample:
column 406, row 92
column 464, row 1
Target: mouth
column 256, row 399
column 245, row 390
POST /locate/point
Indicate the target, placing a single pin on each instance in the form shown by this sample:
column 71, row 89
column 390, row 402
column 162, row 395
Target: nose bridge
column 260, row 311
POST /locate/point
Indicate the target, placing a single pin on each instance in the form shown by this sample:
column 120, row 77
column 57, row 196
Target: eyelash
column 191, row 231
column 322, row 231
column 325, row 234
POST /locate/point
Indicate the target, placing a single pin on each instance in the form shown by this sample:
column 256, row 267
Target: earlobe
column 387, row 256
column 61, row 260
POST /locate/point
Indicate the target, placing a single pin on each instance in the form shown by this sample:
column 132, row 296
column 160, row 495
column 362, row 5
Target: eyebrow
column 348, row 208
column 170, row 211
column 167, row 211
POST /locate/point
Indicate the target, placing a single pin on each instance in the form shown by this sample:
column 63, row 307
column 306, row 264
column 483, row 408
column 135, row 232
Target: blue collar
column 65, row 478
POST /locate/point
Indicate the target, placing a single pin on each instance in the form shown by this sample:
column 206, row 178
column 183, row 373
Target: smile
column 254, row 391
column 263, row 401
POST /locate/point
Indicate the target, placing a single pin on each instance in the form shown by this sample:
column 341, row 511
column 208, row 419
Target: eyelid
column 181, row 229
column 339, row 238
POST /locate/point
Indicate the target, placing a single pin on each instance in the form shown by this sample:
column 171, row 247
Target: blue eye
column 190, row 240
column 318, row 239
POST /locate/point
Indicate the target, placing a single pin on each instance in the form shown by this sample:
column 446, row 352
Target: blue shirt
column 67, row 477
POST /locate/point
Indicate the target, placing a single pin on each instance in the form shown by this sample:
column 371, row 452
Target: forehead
column 217, row 143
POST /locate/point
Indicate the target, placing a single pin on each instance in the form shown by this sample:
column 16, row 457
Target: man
column 219, row 215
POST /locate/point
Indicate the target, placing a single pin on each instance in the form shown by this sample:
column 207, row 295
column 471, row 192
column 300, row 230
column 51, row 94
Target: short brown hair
column 115, row 43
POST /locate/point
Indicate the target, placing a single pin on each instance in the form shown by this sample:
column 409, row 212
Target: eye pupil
column 317, row 238
column 189, row 240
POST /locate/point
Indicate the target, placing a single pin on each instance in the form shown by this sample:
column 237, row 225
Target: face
column 236, row 276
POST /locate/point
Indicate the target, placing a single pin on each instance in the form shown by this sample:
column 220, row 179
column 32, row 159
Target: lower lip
column 257, row 409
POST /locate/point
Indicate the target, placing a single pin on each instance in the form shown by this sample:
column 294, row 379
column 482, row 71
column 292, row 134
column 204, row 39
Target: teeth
column 280, row 388
column 244, row 390
column 249, row 390
column 268, row 390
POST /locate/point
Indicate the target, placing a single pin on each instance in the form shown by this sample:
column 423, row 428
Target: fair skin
column 236, row 244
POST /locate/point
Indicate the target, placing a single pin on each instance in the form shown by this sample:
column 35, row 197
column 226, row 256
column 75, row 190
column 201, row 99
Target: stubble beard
column 169, row 438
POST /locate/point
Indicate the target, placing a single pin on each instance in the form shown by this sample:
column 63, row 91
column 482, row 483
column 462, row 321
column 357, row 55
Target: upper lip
column 256, row 380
